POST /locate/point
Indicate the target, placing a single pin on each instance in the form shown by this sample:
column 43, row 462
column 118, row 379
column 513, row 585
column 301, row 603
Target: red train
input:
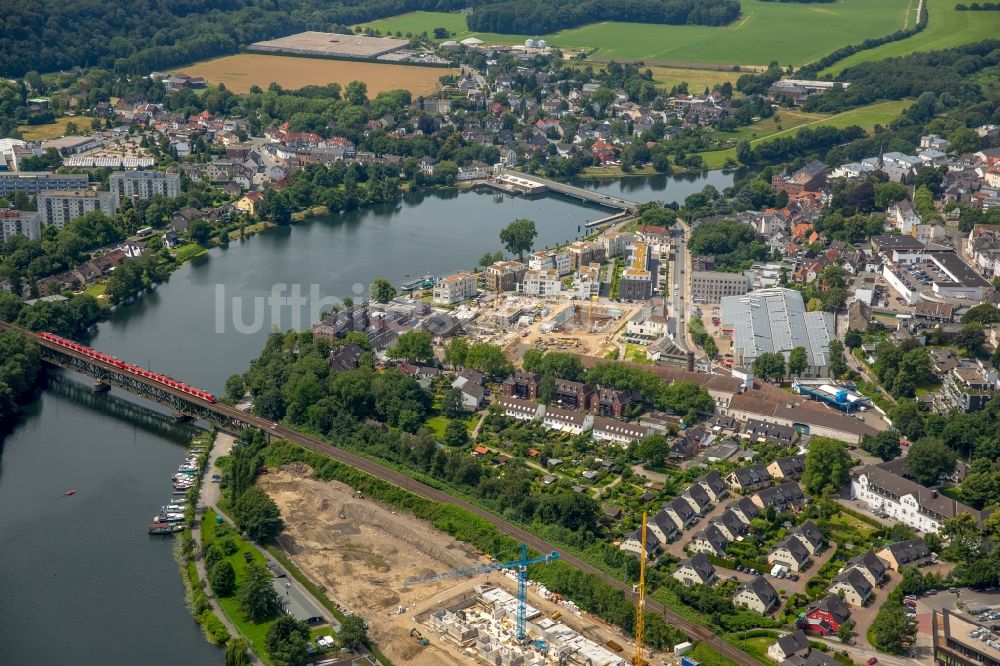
column 135, row 370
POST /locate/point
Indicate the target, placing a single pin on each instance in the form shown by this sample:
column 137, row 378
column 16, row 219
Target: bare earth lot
column 240, row 72
column 361, row 551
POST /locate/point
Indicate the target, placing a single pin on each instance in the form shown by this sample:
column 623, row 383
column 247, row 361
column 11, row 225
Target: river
column 83, row 583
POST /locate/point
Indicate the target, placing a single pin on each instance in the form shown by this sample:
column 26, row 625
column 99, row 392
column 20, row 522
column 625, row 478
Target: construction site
column 429, row 599
column 581, row 326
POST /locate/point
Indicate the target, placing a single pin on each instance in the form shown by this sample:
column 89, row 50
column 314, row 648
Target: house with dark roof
column 762, row 431
column 610, row 402
column 565, row 420
column 793, row 644
column 633, row 542
column 713, row 485
column 345, row 358
column 472, row 396
column 745, row 509
column 522, row 410
column 522, row 385
column 663, row 526
column 757, row 595
column 730, row 524
column 782, row 497
column 813, row 658
column 697, row 498
column 905, row 553
column 789, row 552
column 681, row 513
column 570, row 394
column 856, row 589
column 810, row 536
column 695, row 571
column 825, row 616
column 711, row 540
column 745, row 479
column 787, row 468
column 870, row 565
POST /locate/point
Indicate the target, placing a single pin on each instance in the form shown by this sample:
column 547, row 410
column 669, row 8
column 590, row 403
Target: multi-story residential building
column 541, row 282
column 967, row 388
column 455, row 288
column 902, row 216
column 560, row 262
column 63, row 206
column 503, row 275
column 610, row 402
column 616, row 243
column 568, row 421
column 807, row 179
column 567, row 393
column 144, row 184
column 587, row 281
column 894, row 496
column 34, row 182
column 20, row 223
column 638, row 279
column 583, row 253
column 521, row 384
column 522, row 410
column 711, row 286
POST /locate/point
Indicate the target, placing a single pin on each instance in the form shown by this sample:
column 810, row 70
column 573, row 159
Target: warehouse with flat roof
column 775, row 320
column 331, row 45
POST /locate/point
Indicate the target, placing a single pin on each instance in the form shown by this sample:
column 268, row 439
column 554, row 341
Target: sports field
column 946, row 28
column 240, row 72
column 790, row 122
column 791, row 33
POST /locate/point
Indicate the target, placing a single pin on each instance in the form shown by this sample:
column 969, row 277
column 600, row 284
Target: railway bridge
column 202, row 405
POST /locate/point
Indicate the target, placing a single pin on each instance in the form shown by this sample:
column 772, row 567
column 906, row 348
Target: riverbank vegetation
column 20, row 364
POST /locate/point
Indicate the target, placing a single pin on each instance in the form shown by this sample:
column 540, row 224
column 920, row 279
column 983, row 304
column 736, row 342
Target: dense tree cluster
column 19, row 367
column 901, row 369
column 734, row 245
column 523, row 17
column 70, row 319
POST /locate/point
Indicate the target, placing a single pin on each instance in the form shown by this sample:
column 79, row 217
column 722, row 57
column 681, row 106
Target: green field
column 946, row 28
column 791, row 33
column 866, row 117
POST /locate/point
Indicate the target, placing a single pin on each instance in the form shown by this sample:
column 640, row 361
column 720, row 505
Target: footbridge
column 580, row 193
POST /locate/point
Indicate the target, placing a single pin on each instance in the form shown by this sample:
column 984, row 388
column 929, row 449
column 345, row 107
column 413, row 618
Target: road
column 678, row 320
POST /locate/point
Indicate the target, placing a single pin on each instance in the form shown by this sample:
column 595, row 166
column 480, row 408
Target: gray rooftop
column 775, row 320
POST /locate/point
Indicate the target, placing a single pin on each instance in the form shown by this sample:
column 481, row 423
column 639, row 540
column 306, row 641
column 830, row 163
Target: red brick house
column 825, row 616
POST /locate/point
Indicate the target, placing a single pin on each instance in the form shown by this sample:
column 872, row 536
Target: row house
column 749, row 478
column 633, row 543
column 664, row 526
column 868, row 564
column 905, row 553
column 757, row 595
column 713, row 485
column 618, row 432
column 784, row 497
column 787, row 467
column 731, row 525
column 855, row 589
column 695, row 571
column 522, row 410
column 711, row 541
column 564, row 420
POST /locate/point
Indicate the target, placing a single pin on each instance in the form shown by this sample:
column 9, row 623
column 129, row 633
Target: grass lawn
column 438, row 423
column 845, row 528
column 52, row 130
column 791, row 33
column 255, row 633
column 946, row 28
column 185, row 252
column 96, row 290
column 866, row 117
column 707, row 656
column 635, row 353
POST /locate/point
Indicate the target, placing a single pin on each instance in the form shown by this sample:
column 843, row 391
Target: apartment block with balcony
column 20, row 223
column 456, row 288
column 503, row 275
column 60, row 207
column 541, row 282
column 966, row 388
column 144, row 184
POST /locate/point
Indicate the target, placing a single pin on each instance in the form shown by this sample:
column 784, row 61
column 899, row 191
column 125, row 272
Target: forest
column 525, row 17
column 19, row 369
column 146, row 35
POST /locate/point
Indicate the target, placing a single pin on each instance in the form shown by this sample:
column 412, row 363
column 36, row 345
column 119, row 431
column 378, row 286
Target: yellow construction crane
column 640, row 605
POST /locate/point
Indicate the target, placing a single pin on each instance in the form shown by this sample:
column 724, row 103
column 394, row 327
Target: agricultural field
column 946, row 28
column 791, row 121
column 240, row 72
column 791, row 33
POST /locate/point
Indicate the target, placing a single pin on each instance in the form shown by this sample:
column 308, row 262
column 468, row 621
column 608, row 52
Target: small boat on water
column 165, row 528
column 70, row 492
column 168, row 518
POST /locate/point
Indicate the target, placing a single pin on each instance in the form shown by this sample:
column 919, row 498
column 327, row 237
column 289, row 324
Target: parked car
column 872, row 661
column 953, row 590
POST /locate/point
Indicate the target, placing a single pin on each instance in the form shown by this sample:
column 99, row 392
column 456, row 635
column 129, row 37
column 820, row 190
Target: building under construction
column 484, row 627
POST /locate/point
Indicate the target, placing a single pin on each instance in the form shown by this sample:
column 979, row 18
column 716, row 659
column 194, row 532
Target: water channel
column 82, row 583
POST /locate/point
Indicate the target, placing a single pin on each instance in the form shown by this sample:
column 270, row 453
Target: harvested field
column 240, row 72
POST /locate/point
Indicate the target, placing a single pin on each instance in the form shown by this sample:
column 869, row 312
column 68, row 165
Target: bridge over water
column 229, row 418
column 572, row 191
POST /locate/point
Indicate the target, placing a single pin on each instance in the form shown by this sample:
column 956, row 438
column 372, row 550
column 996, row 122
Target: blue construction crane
column 520, row 565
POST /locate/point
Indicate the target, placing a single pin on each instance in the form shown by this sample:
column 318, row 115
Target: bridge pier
column 181, row 418
column 100, row 387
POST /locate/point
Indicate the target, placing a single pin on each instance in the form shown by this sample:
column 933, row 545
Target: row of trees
column 523, row 17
